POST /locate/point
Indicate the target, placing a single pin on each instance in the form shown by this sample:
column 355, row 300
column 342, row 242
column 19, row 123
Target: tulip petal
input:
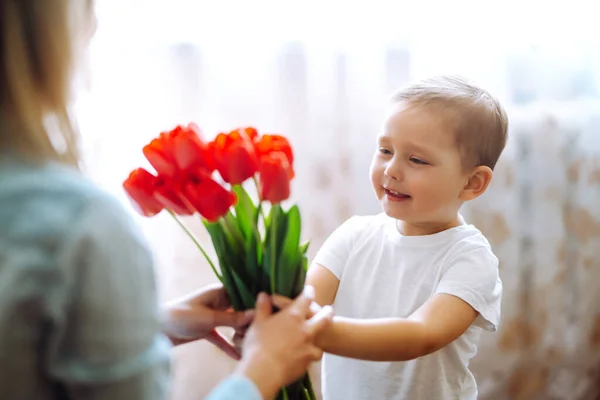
column 189, row 151
column 270, row 143
column 169, row 195
column 140, row 187
column 275, row 174
column 206, row 196
column 235, row 157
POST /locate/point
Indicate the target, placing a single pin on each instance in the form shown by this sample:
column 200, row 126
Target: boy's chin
column 393, row 212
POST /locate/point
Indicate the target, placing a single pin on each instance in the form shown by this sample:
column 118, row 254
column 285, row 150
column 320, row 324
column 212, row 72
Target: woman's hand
column 282, row 302
column 196, row 316
column 279, row 302
column 278, row 348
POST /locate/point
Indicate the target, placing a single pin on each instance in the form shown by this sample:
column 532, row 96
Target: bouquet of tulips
column 257, row 242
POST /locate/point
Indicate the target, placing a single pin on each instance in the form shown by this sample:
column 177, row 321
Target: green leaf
column 282, row 226
column 218, row 239
column 233, row 268
column 304, row 246
column 232, row 291
column 252, row 258
column 300, row 277
column 288, row 262
column 245, row 220
column 247, row 298
column 273, row 226
column 269, row 257
column 269, row 221
column 236, row 250
column 292, row 234
column 232, row 230
column 245, row 211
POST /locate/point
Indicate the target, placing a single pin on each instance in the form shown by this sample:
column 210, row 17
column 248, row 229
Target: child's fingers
column 314, row 308
column 309, row 292
column 320, row 321
column 301, row 305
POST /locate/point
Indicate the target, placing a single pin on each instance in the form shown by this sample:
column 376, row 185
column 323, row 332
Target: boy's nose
column 393, row 172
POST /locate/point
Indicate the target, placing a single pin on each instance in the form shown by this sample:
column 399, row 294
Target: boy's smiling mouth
column 394, row 195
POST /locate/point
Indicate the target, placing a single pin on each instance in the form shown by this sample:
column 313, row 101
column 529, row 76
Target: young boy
column 414, row 286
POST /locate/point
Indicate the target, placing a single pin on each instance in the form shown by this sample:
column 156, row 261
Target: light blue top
column 78, row 302
column 235, row 388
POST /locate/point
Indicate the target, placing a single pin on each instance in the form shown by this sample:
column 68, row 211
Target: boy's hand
column 196, row 316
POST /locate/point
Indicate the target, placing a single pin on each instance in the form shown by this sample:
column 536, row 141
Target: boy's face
column 416, row 171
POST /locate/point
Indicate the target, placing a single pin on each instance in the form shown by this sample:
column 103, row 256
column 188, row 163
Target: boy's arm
column 324, row 282
column 441, row 320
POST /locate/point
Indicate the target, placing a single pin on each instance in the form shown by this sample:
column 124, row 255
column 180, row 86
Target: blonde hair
column 37, row 54
column 479, row 122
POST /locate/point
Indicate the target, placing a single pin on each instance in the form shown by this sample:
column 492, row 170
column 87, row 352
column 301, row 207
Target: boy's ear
column 477, row 183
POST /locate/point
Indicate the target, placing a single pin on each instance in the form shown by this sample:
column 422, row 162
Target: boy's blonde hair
column 477, row 119
column 37, row 54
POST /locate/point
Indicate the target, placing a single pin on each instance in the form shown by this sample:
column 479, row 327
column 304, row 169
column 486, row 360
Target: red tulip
column 235, row 157
column 140, row 187
column 168, row 193
column 159, row 153
column 203, row 194
column 275, row 172
column 270, row 143
column 177, row 150
column 267, row 144
column 252, row 133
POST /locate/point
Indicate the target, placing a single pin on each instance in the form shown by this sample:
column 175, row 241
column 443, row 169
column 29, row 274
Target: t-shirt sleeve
column 472, row 276
column 335, row 251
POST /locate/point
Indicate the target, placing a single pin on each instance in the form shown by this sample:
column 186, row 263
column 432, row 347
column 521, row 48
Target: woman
column 78, row 304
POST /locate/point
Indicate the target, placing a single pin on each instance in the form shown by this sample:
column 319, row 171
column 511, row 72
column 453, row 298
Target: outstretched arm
column 434, row 325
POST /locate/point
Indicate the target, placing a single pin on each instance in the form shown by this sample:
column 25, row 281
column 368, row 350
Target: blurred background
column 320, row 73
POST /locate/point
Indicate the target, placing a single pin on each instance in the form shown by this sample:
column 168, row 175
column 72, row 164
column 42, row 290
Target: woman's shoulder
column 48, row 181
column 48, row 185
column 45, row 205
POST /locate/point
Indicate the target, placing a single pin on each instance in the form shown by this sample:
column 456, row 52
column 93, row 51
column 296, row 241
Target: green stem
column 309, row 387
column 259, row 212
column 260, row 208
column 197, row 242
column 273, row 252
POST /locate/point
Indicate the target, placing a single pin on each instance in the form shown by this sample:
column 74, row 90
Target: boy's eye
column 385, row 151
column 418, row 161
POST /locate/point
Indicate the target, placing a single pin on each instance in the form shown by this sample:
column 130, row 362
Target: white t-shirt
column 385, row 274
